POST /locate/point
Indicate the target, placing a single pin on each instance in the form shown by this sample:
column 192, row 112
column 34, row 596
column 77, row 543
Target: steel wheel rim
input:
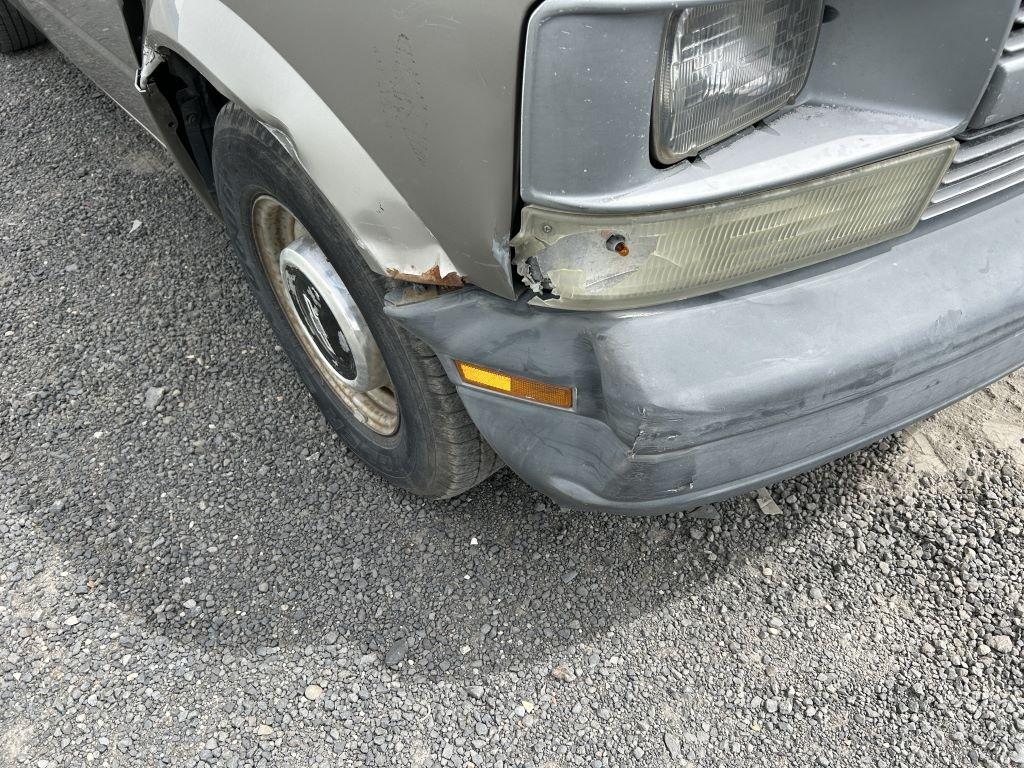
column 275, row 230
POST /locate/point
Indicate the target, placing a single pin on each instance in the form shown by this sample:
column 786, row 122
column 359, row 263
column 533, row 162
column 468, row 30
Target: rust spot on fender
column 432, row 276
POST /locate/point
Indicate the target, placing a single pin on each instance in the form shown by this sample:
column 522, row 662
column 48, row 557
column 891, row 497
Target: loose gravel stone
column 1001, row 643
column 396, row 653
column 672, row 745
column 313, row 692
column 216, row 580
column 153, row 397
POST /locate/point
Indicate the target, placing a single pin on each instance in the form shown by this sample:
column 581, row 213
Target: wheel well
column 134, row 21
column 195, row 104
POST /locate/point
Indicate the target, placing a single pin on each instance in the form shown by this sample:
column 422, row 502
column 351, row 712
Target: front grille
column 1015, row 42
column 989, row 160
column 991, row 157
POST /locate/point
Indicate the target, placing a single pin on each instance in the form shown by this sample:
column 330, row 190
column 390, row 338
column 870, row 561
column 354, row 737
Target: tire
column 16, row 32
column 436, row 450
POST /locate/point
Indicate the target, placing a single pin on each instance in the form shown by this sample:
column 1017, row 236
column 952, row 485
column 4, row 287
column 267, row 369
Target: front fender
column 249, row 71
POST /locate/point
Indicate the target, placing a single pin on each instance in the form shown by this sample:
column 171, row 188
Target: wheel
column 16, row 32
column 382, row 389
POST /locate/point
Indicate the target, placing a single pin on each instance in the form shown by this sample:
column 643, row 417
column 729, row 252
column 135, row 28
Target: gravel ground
column 194, row 571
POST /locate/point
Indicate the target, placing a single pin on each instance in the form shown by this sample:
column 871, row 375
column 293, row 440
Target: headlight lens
column 725, row 66
column 606, row 262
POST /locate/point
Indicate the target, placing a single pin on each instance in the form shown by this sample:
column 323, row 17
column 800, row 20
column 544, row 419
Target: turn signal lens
column 706, row 248
column 516, row 386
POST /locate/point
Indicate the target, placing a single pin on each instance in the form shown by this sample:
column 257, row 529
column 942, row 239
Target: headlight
column 604, row 262
column 726, row 65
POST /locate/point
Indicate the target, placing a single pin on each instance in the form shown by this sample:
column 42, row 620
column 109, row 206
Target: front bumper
column 686, row 403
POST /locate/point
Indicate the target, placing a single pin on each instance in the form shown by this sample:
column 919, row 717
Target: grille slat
column 936, row 209
column 978, row 133
column 992, row 162
column 977, row 147
column 953, row 188
column 1015, row 42
column 989, row 160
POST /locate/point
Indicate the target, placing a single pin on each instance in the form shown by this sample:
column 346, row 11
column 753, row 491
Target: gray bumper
column 690, row 402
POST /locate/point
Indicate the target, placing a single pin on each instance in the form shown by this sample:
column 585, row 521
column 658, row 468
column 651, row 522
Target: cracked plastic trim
column 151, row 60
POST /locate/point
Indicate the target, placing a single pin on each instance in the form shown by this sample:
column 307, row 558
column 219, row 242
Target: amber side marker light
column 515, row 386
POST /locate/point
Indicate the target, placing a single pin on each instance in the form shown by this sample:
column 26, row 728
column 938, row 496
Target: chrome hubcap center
column 329, row 317
column 319, row 322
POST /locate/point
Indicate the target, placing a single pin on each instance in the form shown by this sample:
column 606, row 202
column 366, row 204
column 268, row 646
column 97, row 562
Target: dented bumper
column 689, row 402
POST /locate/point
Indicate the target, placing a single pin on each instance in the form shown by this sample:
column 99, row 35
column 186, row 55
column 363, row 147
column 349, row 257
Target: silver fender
column 244, row 67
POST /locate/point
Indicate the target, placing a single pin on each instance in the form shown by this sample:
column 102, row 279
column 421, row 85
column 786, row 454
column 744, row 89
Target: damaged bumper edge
column 151, row 60
column 686, row 403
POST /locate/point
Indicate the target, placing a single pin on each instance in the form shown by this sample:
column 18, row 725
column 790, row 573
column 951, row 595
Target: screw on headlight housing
column 617, row 243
